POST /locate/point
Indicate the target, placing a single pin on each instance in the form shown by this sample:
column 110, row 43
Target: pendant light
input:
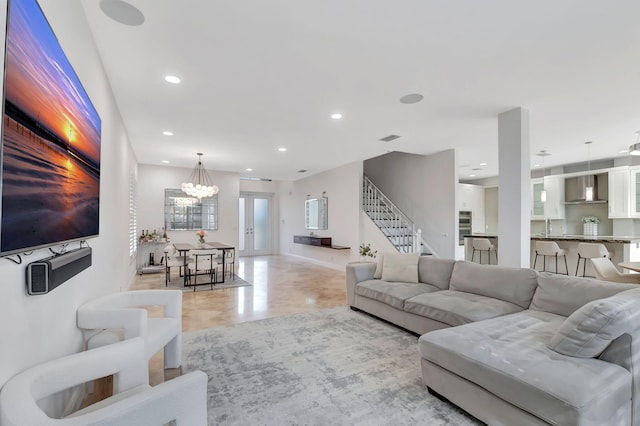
column 199, row 184
column 588, row 190
column 543, row 194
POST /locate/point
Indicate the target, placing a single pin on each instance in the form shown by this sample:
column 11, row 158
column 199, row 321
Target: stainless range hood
column 575, row 190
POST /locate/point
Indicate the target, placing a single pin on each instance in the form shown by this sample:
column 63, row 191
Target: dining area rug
column 177, row 283
column 327, row 367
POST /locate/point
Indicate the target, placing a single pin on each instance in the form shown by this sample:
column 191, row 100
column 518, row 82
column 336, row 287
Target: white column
column 514, row 191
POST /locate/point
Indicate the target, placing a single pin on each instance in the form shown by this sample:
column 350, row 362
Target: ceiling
column 259, row 75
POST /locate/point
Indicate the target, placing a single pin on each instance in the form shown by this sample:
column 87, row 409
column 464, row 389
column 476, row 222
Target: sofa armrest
column 358, row 272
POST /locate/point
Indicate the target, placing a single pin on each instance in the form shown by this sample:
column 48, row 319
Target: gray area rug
column 178, row 283
column 329, row 367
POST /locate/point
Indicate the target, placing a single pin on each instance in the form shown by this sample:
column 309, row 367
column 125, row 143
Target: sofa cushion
column 457, row 308
column 590, row 329
column 400, row 267
column 562, row 295
column 515, row 285
column 393, row 294
column 508, row 357
column 435, row 271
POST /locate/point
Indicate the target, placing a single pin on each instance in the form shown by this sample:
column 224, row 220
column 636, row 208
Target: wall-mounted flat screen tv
column 50, row 140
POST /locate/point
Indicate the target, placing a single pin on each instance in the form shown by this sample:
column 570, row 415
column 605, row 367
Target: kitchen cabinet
column 634, row 189
column 471, row 198
column 619, row 195
column 537, row 206
column 553, row 207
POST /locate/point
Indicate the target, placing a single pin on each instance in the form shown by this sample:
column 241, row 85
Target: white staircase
column 392, row 222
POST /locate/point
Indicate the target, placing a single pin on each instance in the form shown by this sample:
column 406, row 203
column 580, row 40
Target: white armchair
column 122, row 317
column 183, row 399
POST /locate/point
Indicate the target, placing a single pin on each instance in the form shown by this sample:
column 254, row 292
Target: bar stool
column 549, row 248
column 483, row 244
column 589, row 251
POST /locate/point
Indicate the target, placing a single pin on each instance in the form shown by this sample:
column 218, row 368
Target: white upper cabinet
column 471, row 198
column 619, row 193
column 553, row 208
column 537, row 206
column 634, row 190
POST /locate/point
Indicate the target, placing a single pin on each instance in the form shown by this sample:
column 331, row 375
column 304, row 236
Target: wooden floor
column 281, row 285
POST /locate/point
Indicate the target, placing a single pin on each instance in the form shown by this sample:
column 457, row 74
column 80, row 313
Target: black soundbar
column 46, row 274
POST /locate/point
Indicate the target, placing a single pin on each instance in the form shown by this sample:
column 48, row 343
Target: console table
column 317, row 242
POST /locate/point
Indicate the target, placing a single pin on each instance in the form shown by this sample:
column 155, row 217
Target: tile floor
column 282, row 286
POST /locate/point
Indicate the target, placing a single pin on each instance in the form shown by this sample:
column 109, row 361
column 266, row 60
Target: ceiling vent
column 302, row 171
column 389, row 138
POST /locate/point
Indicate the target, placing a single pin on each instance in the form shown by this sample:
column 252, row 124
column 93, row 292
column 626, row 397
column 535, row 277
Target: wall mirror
column 182, row 212
column 315, row 213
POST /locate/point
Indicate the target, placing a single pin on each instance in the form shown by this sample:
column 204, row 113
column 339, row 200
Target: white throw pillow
column 589, row 330
column 378, row 273
column 400, row 267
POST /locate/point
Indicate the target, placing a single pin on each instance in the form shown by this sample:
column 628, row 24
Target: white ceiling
column 258, row 75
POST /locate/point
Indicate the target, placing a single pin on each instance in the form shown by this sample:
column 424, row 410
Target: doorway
column 254, row 210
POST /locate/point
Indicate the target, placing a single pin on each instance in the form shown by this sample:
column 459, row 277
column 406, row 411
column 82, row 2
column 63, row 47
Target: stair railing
column 394, row 224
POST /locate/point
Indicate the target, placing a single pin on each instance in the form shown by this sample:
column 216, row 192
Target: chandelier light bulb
column 198, row 185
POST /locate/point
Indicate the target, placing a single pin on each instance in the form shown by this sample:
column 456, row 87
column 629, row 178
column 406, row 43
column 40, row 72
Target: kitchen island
column 621, row 249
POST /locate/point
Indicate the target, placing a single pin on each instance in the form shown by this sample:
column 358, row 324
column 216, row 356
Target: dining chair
column 605, row 270
column 483, row 244
column 203, row 262
column 549, row 249
column 230, row 259
column 171, row 260
column 588, row 251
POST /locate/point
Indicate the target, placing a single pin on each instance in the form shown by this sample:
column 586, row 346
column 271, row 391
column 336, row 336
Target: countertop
column 593, row 239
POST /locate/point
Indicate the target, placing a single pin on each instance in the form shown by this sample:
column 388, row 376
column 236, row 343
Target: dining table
column 184, row 248
column 632, row 266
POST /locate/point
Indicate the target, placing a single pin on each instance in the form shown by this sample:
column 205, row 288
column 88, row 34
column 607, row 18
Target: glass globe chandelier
column 199, row 184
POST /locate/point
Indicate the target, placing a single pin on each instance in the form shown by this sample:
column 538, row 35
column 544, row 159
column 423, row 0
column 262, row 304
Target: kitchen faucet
column 547, row 227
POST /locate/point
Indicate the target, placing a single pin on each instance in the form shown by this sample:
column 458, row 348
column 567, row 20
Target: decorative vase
column 590, row 228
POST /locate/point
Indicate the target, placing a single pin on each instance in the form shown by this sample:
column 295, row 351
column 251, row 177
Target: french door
column 254, row 225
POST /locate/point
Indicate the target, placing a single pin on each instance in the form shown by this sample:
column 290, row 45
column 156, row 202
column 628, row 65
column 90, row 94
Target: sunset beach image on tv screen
column 51, row 140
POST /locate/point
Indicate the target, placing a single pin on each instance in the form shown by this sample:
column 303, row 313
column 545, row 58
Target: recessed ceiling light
column 165, row 161
column 283, row 149
column 172, row 79
column 302, row 171
column 167, row 133
column 472, row 175
column 412, row 98
column 536, row 165
column 623, row 151
column 336, row 116
column 249, row 169
column 483, row 164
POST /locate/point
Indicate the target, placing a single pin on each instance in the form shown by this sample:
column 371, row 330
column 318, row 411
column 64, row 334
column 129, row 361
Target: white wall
column 34, row 329
column 425, row 188
column 342, row 186
column 152, row 181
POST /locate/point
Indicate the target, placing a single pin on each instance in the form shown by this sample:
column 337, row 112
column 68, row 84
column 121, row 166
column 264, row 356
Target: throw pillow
column 378, row 273
column 589, row 330
column 400, row 267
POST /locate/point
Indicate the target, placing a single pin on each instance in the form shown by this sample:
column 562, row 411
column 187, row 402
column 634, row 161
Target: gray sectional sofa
column 512, row 346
